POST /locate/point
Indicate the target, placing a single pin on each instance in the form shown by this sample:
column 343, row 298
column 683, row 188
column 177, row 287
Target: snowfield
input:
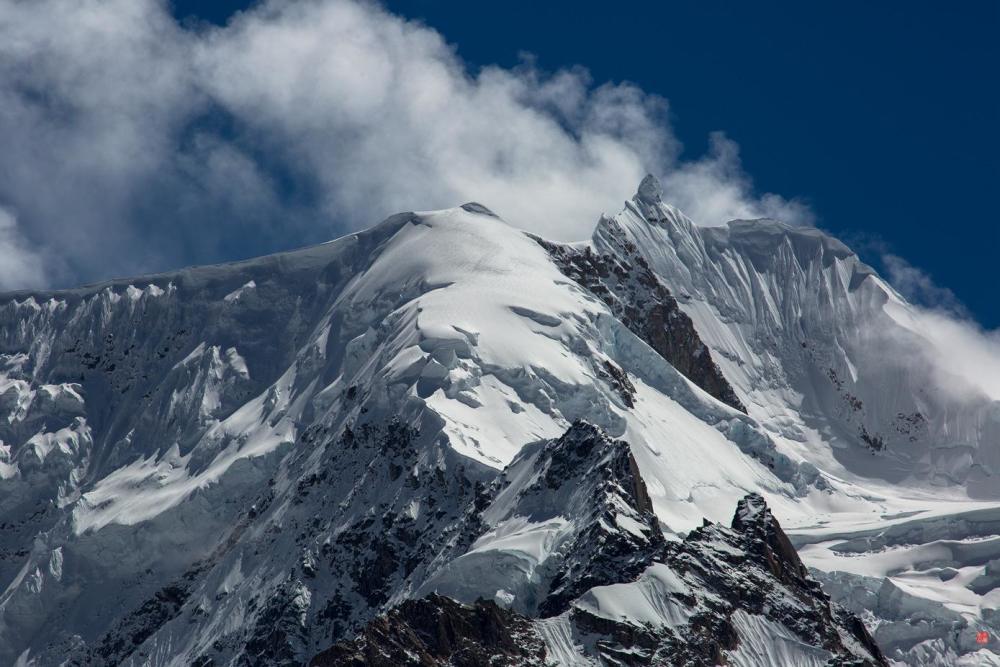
column 244, row 464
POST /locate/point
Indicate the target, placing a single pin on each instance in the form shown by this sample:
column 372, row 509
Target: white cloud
column 716, row 189
column 19, row 265
column 962, row 357
column 963, row 354
column 132, row 143
column 919, row 288
column 385, row 116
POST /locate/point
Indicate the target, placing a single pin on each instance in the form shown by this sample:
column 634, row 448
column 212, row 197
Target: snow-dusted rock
column 245, row 464
column 567, row 515
column 725, row 595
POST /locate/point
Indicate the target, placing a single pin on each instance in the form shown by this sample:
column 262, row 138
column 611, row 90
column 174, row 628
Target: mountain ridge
column 250, row 462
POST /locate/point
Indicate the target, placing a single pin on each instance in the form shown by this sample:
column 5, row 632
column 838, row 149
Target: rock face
column 751, row 568
column 624, row 281
column 437, row 631
column 724, row 595
column 566, row 537
column 566, row 515
column 618, row 534
column 247, row 464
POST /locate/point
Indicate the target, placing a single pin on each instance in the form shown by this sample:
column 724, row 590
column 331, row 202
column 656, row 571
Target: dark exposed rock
column 618, row 379
column 359, row 564
column 601, row 552
column 636, row 295
column 586, row 475
column 750, row 567
column 873, row 441
column 437, row 631
column 279, row 634
column 122, row 640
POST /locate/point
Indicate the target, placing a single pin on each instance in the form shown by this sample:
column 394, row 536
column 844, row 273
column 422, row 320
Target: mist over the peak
column 133, row 143
column 964, row 357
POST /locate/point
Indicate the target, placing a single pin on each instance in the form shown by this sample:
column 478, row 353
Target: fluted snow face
column 256, row 458
column 163, row 433
column 818, row 348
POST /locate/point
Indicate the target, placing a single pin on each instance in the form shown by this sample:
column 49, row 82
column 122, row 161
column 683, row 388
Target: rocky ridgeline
column 359, row 452
column 440, row 631
column 625, row 282
column 723, row 575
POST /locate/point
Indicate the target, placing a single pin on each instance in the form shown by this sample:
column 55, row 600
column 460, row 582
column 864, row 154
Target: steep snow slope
column 822, row 351
column 243, row 464
column 176, row 459
column 837, row 369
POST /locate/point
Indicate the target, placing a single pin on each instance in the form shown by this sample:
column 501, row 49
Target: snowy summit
column 446, row 441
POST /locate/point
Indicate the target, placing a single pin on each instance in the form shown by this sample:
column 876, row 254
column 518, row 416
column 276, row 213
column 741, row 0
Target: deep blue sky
column 883, row 116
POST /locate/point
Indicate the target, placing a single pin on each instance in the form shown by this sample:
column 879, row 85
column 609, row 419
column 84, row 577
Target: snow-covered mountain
column 305, row 457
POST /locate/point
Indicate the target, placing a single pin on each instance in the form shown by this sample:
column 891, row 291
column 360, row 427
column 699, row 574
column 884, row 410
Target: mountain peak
column 650, row 191
column 752, row 509
column 754, row 521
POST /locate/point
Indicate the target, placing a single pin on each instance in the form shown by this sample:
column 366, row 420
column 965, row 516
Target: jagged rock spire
column 702, row 588
column 752, row 510
column 650, row 191
column 754, row 521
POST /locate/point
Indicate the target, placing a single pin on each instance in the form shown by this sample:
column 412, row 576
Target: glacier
column 254, row 462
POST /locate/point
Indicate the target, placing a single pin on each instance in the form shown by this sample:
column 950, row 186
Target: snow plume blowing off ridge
column 142, row 144
column 958, row 346
column 133, row 143
column 964, row 357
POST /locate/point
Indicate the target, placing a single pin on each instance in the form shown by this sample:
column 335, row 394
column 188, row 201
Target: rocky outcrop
column 720, row 595
column 580, row 500
column 120, row 643
column 726, row 583
column 280, row 633
column 437, row 631
column 627, row 285
column 618, row 532
column 753, row 567
column 399, row 510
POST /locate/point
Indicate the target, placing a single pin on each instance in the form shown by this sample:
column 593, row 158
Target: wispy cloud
column 132, row 143
column 19, row 264
column 961, row 357
column 715, row 189
column 965, row 357
column 919, row 288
